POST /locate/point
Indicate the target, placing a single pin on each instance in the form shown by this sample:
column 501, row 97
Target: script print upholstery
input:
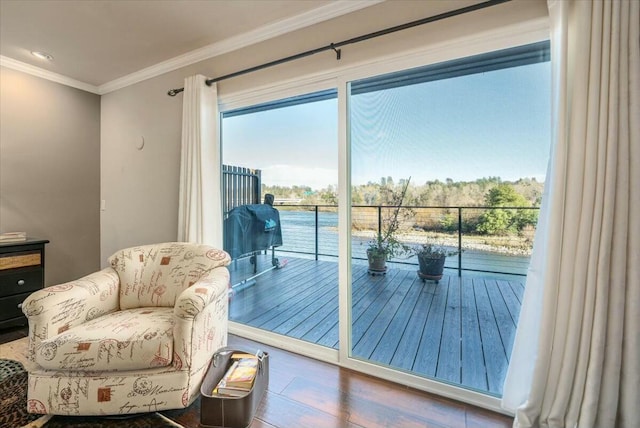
column 129, row 374
column 138, row 338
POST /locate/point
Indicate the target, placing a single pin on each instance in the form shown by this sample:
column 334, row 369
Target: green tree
column 449, row 222
column 329, row 196
column 509, row 219
column 504, row 195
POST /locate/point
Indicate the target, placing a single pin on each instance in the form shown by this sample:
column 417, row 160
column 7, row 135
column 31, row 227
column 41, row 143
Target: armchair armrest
column 55, row 309
column 193, row 300
column 201, row 318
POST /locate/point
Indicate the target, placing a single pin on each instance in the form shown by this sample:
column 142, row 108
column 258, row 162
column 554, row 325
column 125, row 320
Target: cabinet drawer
column 9, row 306
column 20, row 281
column 18, row 260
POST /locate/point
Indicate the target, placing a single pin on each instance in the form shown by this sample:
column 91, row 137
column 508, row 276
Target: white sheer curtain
column 200, row 203
column 576, row 357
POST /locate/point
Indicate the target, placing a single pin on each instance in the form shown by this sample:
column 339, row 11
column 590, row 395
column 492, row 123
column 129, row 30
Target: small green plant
column 385, row 243
column 387, row 247
column 433, row 251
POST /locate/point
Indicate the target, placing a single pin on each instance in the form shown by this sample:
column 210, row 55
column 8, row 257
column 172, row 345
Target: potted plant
column 431, row 258
column 385, row 245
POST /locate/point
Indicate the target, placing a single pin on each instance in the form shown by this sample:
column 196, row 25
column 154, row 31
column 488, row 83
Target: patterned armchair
column 135, row 337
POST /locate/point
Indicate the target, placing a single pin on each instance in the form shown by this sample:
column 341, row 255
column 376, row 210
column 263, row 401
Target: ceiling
column 97, row 44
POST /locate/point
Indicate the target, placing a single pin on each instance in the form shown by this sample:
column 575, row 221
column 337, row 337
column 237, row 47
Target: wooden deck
column 459, row 331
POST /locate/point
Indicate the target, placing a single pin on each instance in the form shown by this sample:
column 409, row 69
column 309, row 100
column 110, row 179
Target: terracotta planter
column 431, row 267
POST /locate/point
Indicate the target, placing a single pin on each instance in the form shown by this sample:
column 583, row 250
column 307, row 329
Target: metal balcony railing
column 488, row 239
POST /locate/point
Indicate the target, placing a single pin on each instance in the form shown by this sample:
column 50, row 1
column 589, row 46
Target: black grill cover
column 251, row 228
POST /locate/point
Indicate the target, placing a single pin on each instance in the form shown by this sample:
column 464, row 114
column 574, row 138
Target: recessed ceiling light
column 42, row 55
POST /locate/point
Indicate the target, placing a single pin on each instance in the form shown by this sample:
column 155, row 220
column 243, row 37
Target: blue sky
column 487, row 124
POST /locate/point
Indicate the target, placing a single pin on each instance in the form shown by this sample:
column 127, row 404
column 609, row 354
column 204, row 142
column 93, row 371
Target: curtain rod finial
column 174, row 92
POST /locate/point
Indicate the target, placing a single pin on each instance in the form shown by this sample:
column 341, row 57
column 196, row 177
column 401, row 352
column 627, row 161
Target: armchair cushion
column 155, row 275
column 133, row 339
column 59, row 308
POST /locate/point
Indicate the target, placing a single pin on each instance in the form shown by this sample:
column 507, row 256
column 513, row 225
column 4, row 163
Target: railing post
column 379, row 220
column 316, row 208
column 459, row 241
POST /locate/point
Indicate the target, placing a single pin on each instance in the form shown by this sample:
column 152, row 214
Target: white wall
column 141, row 187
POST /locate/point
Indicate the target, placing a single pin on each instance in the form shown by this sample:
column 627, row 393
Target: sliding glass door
column 445, row 165
column 446, row 160
column 280, row 187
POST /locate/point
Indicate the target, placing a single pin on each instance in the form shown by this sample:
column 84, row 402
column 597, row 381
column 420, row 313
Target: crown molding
column 46, row 74
column 321, row 14
column 324, row 13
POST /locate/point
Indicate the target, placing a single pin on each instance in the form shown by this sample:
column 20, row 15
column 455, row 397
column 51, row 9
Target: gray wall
column 141, row 187
column 50, row 170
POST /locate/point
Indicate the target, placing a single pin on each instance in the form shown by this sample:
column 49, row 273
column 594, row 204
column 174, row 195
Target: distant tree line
column 500, row 196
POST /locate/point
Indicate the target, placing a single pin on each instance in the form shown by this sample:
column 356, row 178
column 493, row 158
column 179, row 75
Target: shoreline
column 469, row 242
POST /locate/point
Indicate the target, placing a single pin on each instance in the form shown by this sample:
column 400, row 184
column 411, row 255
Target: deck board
column 511, row 298
column 494, row 354
column 474, row 373
column 370, row 326
column 410, row 340
column 448, row 367
column 504, row 321
column 276, row 295
column 397, row 324
column 303, row 311
column 459, row 331
column 518, row 289
column 328, row 316
column 426, row 359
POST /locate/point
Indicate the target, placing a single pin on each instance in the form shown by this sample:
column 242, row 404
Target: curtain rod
column 335, row 46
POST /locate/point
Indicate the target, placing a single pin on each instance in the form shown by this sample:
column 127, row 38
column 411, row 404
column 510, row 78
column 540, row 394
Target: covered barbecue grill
column 250, row 229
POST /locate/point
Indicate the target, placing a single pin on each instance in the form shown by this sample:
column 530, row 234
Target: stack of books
column 238, row 379
column 13, row 237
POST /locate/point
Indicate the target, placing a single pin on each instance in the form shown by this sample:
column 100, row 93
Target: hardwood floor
column 310, row 393
column 304, row 392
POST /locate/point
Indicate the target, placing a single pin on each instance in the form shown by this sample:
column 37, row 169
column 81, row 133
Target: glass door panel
column 448, row 164
column 280, row 209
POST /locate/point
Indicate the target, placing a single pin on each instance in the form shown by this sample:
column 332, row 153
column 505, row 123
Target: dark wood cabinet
column 21, row 273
